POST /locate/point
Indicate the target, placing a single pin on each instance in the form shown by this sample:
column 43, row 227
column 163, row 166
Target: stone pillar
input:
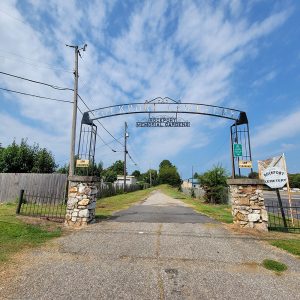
column 81, row 203
column 248, row 207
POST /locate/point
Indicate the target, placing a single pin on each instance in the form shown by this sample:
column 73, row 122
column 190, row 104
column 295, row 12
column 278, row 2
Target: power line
column 103, row 141
column 37, row 82
column 99, row 121
column 45, row 66
column 43, row 33
column 36, row 96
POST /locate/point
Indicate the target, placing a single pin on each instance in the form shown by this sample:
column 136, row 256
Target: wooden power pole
column 74, row 117
column 125, row 154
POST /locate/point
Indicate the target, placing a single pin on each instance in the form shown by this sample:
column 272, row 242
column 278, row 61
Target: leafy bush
column 214, row 184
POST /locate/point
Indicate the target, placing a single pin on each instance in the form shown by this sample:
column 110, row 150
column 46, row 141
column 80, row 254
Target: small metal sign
column 275, row 177
column 245, row 164
column 237, row 150
column 82, row 163
column 163, row 121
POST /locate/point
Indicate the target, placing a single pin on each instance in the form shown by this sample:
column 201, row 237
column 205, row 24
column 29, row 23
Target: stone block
column 84, row 202
column 253, row 217
column 241, row 217
column 73, row 189
column 261, row 226
column 243, row 201
column 264, row 215
column 74, row 219
column 84, row 213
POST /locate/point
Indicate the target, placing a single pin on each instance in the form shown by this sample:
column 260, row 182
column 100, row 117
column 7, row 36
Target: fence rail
column 53, row 185
column 42, row 206
column 283, row 218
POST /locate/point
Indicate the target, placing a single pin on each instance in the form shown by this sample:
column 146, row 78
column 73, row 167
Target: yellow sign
column 245, row 164
column 82, row 163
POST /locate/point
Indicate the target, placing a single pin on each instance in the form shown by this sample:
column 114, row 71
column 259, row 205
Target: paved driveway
column 160, row 249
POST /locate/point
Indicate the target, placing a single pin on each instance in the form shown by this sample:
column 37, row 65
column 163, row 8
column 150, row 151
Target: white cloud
column 283, row 126
column 269, row 76
column 193, row 61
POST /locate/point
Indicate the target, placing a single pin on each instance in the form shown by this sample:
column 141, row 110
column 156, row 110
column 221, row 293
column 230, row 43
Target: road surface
column 159, row 249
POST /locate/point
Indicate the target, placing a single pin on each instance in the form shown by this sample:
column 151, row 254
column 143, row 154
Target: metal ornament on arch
column 166, row 112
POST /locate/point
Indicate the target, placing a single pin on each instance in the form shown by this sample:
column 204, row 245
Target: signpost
column 237, row 150
column 276, row 178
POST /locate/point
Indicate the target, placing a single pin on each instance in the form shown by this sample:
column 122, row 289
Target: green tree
column 165, row 163
column 136, row 174
column 26, row 159
column 294, row 180
column 253, row 175
column 44, row 162
column 168, row 173
column 109, row 175
column 117, row 167
column 214, row 184
column 154, row 176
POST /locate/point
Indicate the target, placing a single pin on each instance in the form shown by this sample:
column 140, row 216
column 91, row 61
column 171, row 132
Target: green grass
column 16, row 235
column 220, row 212
column 274, row 265
column 276, row 223
column 106, row 206
column 291, row 246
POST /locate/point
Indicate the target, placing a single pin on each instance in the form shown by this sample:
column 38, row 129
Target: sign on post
column 245, row 164
column 275, row 177
column 82, row 163
column 237, row 150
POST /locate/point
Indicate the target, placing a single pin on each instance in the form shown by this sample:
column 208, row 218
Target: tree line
column 25, row 158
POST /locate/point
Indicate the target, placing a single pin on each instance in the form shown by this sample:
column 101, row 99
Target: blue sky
column 239, row 54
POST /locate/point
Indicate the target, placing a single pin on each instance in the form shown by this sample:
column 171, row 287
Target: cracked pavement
column 158, row 249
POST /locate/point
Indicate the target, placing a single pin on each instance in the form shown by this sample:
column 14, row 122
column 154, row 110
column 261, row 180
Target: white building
column 130, row 180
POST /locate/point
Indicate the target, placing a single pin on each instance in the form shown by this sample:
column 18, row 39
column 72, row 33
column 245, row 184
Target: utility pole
column 125, row 154
column 150, row 177
column 74, row 117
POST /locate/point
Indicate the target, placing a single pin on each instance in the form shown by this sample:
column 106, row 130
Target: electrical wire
column 108, row 133
column 36, row 96
column 35, row 65
column 38, row 82
column 37, row 29
column 99, row 121
column 103, row 141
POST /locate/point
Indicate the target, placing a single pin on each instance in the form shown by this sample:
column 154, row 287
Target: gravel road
column 158, row 249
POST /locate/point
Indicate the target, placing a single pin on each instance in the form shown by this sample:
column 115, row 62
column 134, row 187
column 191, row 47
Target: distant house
column 189, row 183
column 130, row 180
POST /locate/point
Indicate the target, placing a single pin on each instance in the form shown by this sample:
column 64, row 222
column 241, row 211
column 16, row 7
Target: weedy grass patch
column 106, row 206
column 274, row 265
column 16, row 234
column 290, row 245
column 219, row 212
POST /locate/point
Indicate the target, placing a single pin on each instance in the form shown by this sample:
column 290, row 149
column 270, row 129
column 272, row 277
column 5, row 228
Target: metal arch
column 163, row 106
column 167, row 105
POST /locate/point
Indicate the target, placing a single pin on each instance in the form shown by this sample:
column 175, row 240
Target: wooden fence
column 39, row 184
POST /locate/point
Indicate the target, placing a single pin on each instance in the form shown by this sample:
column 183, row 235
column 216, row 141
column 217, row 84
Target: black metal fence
column 43, row 206
column 283, row 218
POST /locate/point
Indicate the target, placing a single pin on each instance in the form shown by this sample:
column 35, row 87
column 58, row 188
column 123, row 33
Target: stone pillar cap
column 76, row 178
column 245, row 181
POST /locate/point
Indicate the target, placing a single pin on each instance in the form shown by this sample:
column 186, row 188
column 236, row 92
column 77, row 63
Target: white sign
column 275, row 177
